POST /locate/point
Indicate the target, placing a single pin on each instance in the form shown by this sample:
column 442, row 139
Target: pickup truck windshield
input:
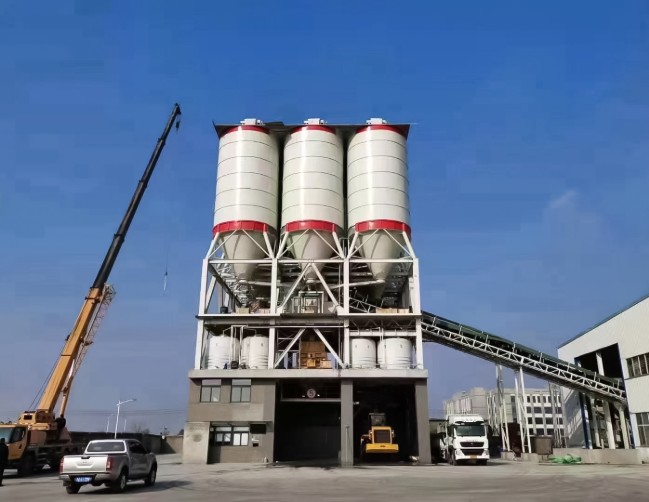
column 469, row 430
column 105, row 446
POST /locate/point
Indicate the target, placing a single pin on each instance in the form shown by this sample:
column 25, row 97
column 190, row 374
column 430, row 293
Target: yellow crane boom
column 80, row 337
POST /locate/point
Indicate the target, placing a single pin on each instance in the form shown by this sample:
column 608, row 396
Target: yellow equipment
column 380, row 438
column 38, row 437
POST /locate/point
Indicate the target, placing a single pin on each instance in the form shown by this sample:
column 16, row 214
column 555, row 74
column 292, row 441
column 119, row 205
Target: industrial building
column 543, row 412
column 309, row 312
column 616, row 347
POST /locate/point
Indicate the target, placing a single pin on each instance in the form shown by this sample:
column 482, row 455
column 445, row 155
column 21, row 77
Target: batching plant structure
column 309, row 314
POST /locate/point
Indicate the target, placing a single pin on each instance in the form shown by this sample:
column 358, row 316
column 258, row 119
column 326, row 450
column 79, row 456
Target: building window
column 537, row 409
column 227, row 435
column 638, row 365
column 240, row 391
column 210, row 391
column 539, row 420
column 643, row 428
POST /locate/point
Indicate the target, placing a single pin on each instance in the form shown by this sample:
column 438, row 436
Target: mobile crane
column 38, row 437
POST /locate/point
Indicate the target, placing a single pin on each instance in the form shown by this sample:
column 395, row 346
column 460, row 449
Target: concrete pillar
column 423, row 425
column 610, row 435
column 346, row 423
column 597, row 443
column 585, row 424
column 623, row 426
column 196, row 440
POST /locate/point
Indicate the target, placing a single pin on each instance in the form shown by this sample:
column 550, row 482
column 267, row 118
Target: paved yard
column 242, row 482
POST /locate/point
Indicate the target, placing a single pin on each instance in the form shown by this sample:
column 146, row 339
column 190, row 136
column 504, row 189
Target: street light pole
column 119, row 404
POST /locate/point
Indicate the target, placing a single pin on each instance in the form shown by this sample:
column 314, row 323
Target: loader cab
column 377, row 420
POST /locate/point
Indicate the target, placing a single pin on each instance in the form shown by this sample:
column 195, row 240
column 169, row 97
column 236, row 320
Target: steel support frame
column 218, row 273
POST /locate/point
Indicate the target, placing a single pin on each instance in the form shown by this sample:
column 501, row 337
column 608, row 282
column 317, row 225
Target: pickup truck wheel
column 150, row 479
column 119, row 484
column 73, row 488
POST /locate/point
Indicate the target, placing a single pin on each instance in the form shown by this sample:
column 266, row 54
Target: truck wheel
column 73, row 488
column 119, row 484
column 26, row 467
column 150, row 479
column 481, row 462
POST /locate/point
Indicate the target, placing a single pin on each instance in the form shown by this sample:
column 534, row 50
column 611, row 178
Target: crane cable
column 39, row 393
column 166, row 272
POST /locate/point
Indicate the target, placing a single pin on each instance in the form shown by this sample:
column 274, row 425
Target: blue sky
column 528, row 162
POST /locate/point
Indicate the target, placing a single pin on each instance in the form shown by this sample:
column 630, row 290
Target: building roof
column 639, row 300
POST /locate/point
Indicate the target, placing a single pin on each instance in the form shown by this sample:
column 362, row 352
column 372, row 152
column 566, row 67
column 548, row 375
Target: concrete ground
column 501, row 480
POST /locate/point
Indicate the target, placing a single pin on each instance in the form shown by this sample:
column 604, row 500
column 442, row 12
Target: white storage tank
column 221, row 351
column 258, row 352
column 395, row 353
column 247, row 190
column 363, row 353
column 245, row 351
column 312, row 191
column 377, row 192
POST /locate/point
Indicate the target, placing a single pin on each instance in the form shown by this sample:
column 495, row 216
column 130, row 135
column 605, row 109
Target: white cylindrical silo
column 247, row 191
column 377, row 192
column 245, row 351
column 363, row 353
column 221, row 351
column 312, row 191
column 258, row 352
column 395, row 353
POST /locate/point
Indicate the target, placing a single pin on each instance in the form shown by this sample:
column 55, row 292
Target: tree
column 140, row 428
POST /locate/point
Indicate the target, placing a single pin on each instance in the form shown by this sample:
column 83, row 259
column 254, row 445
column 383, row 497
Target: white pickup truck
column 110, row 462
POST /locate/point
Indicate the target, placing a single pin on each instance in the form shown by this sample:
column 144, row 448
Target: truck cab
column 16, row 439
column 31, row 449
column 466, row 440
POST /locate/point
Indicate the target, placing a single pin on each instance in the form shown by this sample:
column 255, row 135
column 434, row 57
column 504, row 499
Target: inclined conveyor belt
column 514, row 355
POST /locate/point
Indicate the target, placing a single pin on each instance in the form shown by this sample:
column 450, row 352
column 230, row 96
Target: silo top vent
column 252, row 122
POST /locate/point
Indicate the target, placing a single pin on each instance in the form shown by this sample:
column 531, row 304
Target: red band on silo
column 323, row 226
column 246, row 128
column 381, row 127
column 368, row 226
column 248, row 225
